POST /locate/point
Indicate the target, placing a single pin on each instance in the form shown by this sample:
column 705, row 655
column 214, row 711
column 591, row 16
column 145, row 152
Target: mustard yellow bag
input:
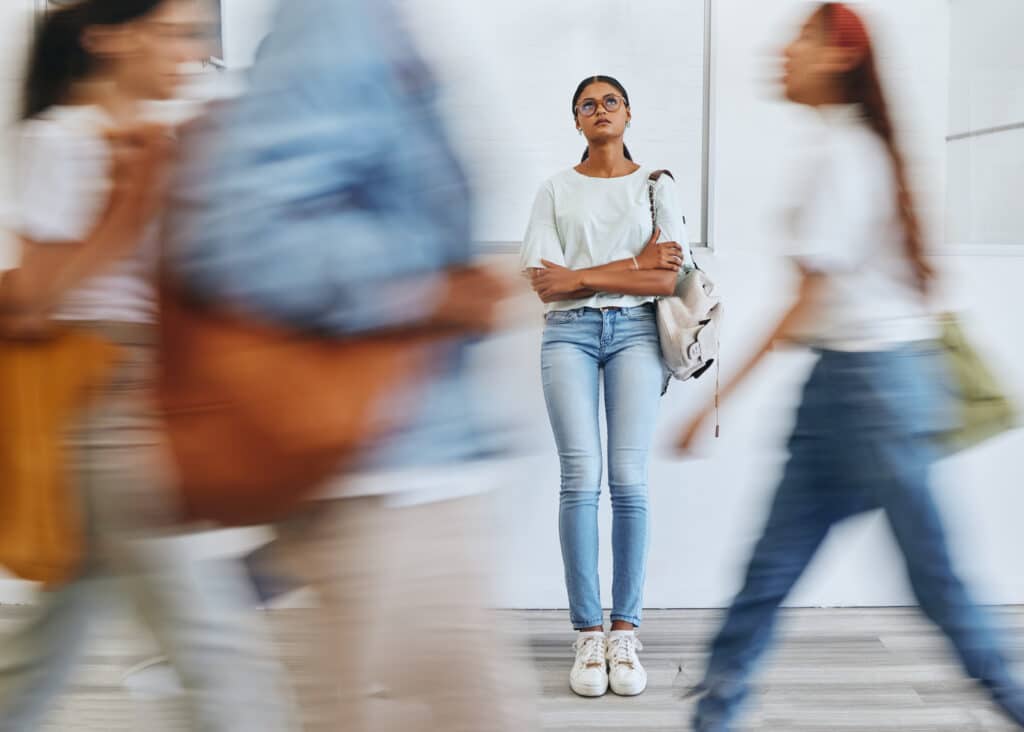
column 43, row 384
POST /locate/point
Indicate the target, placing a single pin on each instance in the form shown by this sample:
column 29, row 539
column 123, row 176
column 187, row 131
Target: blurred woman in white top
column 865, row 427
column 89, row 184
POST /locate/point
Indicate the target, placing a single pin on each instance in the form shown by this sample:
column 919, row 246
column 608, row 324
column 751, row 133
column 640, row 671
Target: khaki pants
column 404, row 640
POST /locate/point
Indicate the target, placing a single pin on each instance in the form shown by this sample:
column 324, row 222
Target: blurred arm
column 785, row 330
column 54, row 209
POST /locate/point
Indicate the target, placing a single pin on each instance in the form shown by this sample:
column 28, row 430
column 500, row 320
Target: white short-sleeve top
column 579, row 221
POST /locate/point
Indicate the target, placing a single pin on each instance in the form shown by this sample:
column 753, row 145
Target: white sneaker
column 154, row 678
column 625, row 674
column 589, row 676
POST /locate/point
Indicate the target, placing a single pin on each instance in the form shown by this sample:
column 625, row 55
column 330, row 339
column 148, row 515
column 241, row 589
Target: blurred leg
column 902, row 402
column 335, row 546
column 800, row 519
column 201, row 613
column 902, row 488
column 38, row 657
column 447, row 662
column 812, row 496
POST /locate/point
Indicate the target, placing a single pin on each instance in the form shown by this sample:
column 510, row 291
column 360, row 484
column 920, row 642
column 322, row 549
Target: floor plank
column 881, row 670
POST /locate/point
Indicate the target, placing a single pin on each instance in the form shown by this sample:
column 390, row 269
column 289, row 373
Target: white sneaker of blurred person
column 626, row 676
column 153, row 678
column 589, row 675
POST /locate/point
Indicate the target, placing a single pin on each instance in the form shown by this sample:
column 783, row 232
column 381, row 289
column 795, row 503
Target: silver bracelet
column 636, row 264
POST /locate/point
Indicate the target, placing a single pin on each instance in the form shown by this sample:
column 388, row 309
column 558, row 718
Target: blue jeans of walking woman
column 862, row 441
column 578, row 347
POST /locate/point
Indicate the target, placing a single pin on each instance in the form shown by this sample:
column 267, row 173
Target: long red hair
column 861, row 85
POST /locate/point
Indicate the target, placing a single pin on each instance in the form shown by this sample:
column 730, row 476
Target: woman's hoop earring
column 580, row 130
column 628, row 123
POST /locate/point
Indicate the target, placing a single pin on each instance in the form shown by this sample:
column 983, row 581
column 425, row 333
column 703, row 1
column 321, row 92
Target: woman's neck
column 607, row 160
column 829, row 97
column 121, row 107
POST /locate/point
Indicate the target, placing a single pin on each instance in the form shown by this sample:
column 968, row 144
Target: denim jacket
column 329, row 197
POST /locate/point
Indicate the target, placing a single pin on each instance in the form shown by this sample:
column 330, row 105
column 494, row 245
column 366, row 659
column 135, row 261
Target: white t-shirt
column 61, row 188
column 848, row 228
column 580, row 222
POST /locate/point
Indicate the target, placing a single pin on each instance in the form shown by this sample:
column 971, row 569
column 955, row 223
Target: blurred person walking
column 328, row 200
column 594, row 260
column 90, row 184
column 863, row 437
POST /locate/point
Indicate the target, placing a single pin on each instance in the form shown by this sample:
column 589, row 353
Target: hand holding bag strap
column 652, row 181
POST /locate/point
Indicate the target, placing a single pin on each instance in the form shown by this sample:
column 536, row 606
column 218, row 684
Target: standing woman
column 89, row 189
column 864, row 427
column 595, row 262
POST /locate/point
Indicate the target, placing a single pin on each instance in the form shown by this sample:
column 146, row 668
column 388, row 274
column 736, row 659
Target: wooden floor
column 833, row 670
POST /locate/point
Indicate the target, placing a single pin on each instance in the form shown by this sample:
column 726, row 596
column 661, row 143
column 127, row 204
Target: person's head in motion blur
column 132, row 49
column 832, row 61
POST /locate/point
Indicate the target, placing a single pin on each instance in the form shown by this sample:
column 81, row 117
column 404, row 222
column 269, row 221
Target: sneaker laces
column 624, row 649
column 589, row 651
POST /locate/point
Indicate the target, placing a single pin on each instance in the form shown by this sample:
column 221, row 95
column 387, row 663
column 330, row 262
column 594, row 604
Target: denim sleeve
column 307, row 199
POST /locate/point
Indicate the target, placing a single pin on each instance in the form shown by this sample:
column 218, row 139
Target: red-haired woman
column 862, row 438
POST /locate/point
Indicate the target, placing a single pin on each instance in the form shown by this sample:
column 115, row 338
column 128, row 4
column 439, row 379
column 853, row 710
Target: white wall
column 245, row 23
column 509, row 70
column 986, row 174
column 16, row 20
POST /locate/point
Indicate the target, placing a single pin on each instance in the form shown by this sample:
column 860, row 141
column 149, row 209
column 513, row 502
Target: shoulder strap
column 652, row 180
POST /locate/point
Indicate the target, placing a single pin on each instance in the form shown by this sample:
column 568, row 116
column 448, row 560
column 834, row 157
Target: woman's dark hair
column 59, row 58
column 861, row 85
column 579, row 92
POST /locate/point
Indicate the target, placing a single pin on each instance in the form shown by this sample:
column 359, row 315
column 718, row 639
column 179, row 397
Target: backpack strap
column 652, row 180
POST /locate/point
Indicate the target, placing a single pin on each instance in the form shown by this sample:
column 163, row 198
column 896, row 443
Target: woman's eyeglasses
column 611, row 103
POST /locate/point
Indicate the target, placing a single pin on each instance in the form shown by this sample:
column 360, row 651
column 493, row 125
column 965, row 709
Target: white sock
column 591, row 634
column 621, row 633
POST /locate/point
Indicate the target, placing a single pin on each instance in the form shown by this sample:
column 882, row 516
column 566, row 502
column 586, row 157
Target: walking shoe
column 589, row 676
column 625, row 674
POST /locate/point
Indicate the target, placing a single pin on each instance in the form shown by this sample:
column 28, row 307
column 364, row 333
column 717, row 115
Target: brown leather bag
column 44, row 383
column 259, row 416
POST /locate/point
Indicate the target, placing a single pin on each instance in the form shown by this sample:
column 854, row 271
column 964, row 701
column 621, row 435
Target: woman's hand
column 666, row 255
column 554, row 282
column 29, row 326
column 141, row 161
column 472, row 300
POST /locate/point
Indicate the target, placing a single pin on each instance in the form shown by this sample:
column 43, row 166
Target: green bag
column 984, row 410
